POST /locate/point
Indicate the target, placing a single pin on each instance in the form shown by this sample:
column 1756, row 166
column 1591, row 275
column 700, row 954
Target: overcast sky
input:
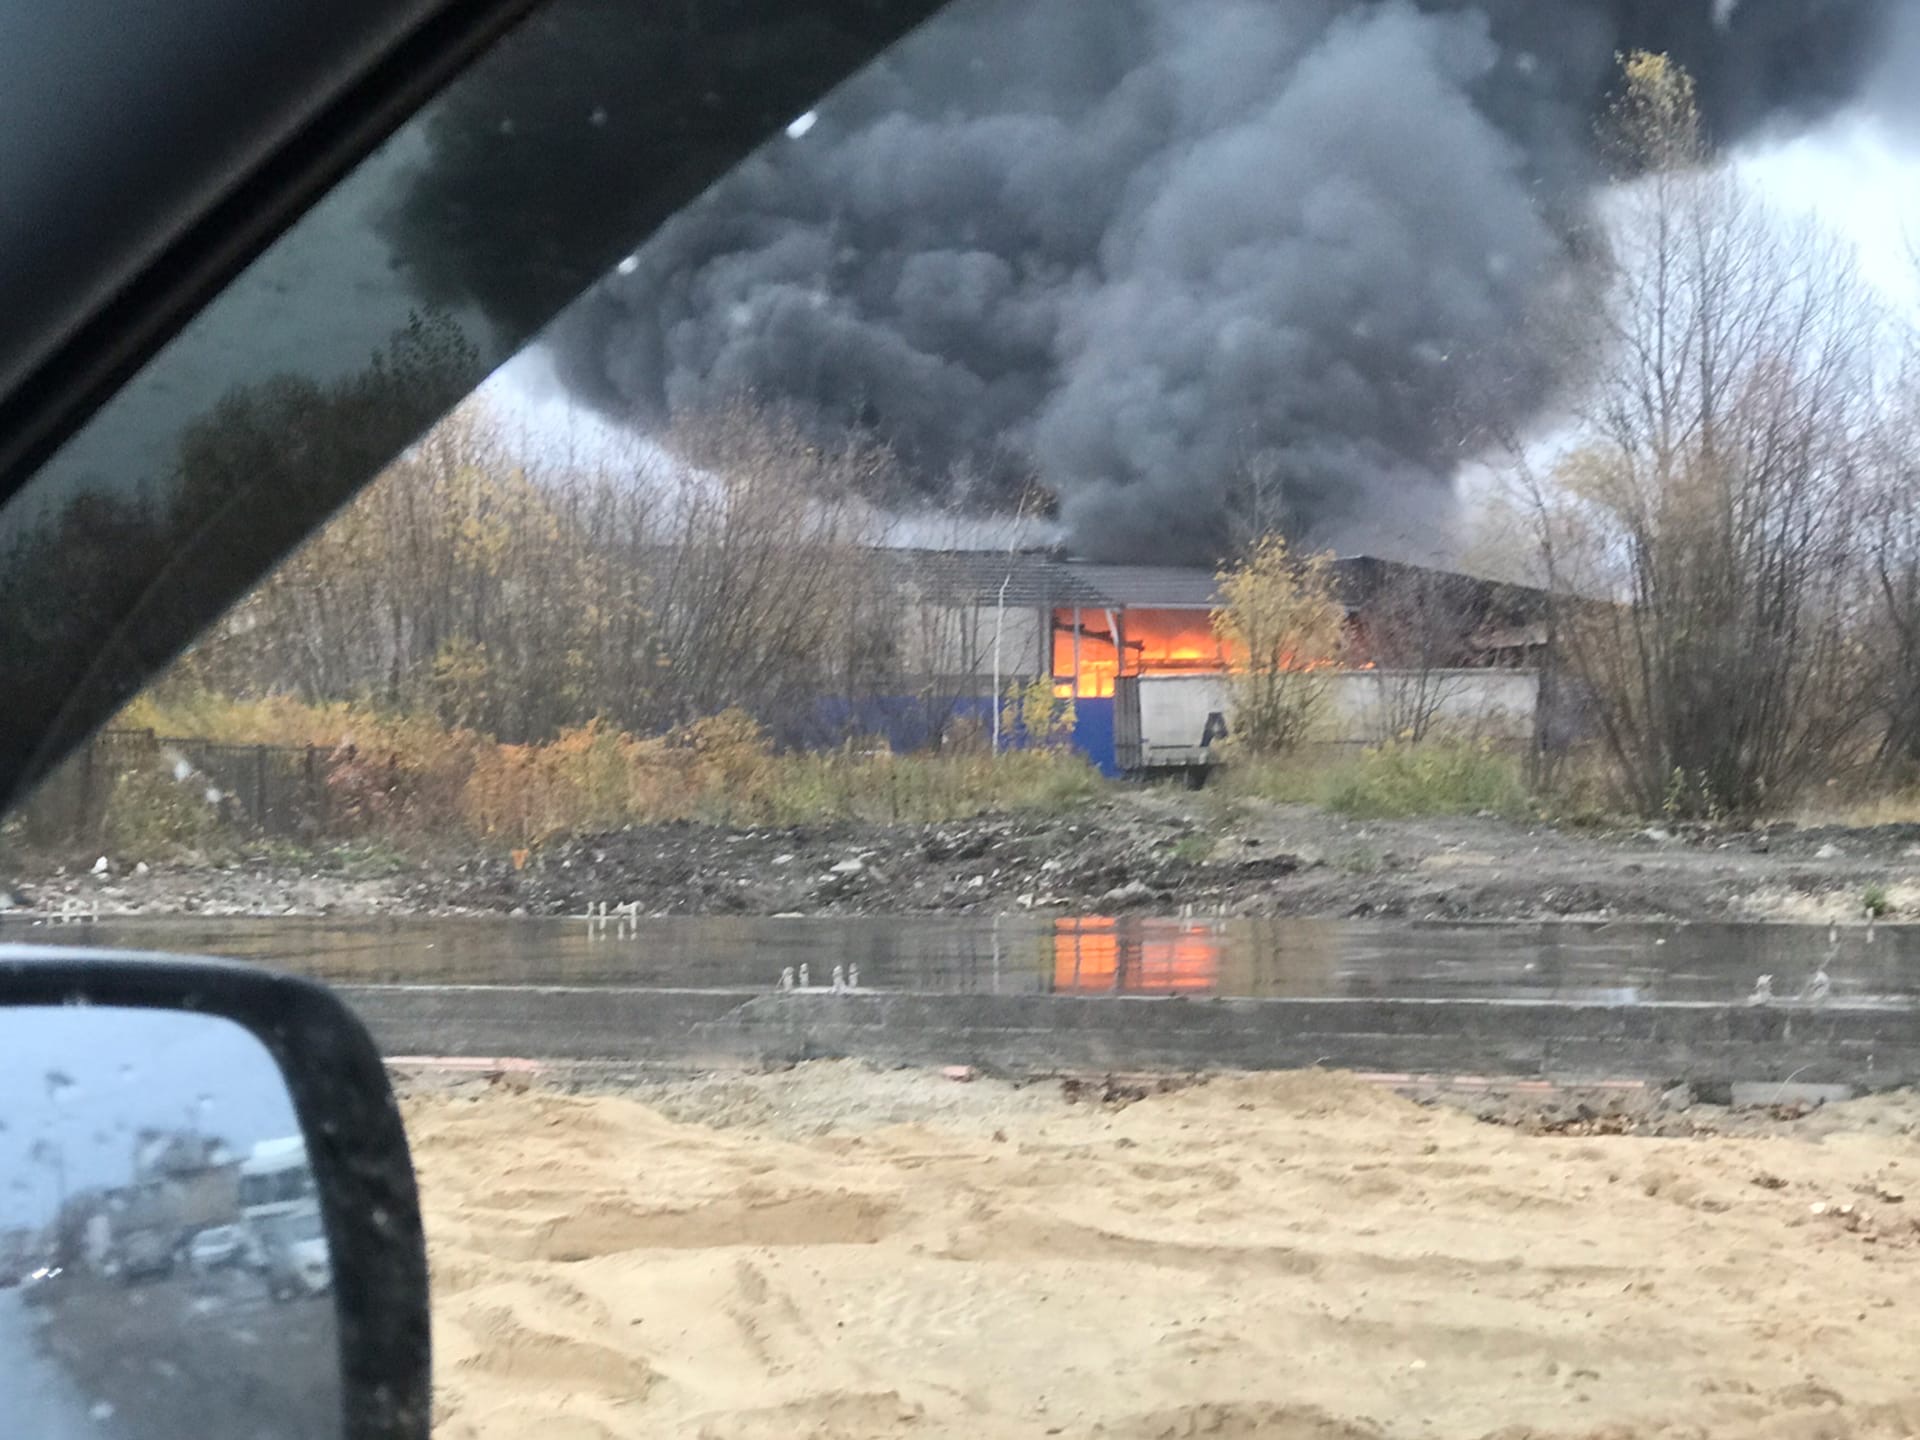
column 1858, row 178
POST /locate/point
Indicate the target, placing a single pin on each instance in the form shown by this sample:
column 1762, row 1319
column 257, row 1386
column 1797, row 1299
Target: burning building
column 1424, row 647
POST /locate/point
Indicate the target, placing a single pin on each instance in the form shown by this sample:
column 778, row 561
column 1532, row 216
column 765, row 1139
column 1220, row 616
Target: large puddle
column 1618, row 963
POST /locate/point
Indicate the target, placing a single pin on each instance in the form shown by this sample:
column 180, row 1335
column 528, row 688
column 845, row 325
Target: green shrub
column 151, row 815
column 1193, row 849
column 1297, row 779
column 1360, row 860
column 1437, row 778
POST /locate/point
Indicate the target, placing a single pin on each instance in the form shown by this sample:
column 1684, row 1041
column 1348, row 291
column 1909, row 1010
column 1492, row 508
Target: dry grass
column 1899, row 808
column 407, row 776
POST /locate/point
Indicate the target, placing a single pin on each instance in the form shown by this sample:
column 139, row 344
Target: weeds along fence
column 137, row 792
column 180, row 787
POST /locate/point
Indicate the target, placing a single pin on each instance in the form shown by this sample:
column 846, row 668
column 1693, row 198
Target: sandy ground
column 836, row 1252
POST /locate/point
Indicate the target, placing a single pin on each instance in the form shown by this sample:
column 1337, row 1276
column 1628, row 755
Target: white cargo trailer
column 1164, row 724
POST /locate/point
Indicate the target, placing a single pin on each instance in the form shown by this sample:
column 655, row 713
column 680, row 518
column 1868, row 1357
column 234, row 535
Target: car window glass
column 435, row 260
column 1448, row 427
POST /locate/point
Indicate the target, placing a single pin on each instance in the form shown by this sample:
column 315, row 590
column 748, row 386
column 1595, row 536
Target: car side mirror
column 208, row 1220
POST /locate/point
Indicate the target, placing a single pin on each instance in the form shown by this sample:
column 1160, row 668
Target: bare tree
column 1893, row 557
column 949, row 637
column 1256, row 496
column 1413, row 628
column 728, row 570
column 1710, row 514
column 757, row 564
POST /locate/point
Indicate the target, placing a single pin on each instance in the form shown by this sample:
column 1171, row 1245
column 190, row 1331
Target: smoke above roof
column 1154, row 252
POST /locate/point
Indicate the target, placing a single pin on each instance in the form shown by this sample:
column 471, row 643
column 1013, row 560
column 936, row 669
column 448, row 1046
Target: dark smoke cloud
column 1138, row 247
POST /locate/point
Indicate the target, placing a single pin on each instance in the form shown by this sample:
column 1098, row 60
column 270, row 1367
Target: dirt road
column 191, row 1357
column 838, row 1253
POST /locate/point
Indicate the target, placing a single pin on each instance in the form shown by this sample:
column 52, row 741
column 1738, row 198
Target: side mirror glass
column 160, row 1231
column 201, row 1219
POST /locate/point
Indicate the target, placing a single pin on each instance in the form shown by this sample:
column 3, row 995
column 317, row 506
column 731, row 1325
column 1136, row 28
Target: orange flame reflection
column 1099, row 955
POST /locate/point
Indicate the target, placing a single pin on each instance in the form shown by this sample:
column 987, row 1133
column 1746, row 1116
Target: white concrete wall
column 1376, row 705
column 956, row 641
column 1359, row 706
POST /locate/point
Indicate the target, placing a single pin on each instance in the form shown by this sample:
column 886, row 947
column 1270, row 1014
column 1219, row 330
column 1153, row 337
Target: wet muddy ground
column 1150, row 851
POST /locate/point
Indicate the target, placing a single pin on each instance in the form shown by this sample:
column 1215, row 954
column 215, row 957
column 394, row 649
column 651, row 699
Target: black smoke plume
column 1159, row 253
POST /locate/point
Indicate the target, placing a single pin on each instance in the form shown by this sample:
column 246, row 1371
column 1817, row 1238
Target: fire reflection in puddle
column 1094, row 955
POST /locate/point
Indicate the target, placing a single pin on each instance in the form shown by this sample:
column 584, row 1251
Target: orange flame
column 1152, row 642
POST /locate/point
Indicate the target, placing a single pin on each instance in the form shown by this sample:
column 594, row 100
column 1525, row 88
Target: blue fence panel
column 903, row 722
column 1093, row 733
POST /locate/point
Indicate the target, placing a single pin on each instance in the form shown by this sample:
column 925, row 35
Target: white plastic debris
column 101, row 867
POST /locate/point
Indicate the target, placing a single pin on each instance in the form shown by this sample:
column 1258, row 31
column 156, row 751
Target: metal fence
column 269, row 790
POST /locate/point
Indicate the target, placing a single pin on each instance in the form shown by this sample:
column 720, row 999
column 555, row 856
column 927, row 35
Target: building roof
column 1046, row 578
column 1033, row 578
column 1153, row 586
column 1362, row 581
column 1025, row 578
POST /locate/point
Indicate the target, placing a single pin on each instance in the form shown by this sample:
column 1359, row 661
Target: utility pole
column 999, row 624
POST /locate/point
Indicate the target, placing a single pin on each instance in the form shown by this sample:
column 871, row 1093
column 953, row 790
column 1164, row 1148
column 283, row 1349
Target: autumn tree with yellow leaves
column 1280, row 619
